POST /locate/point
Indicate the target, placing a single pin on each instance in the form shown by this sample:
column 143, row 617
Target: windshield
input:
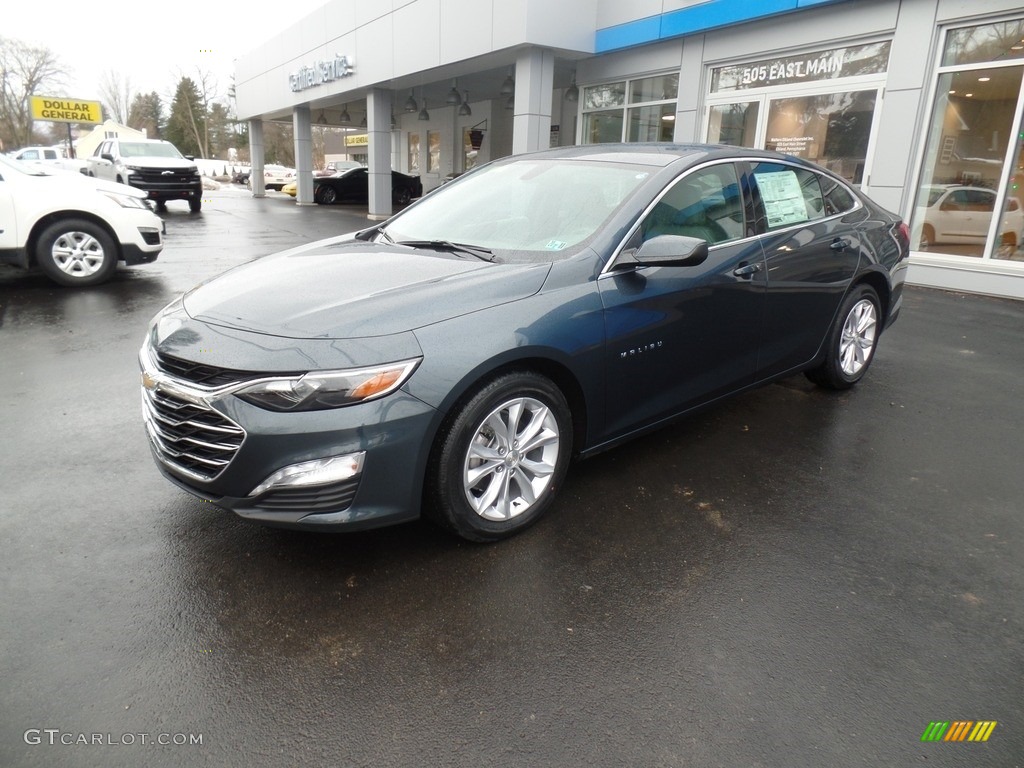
column 539, row 208
column 143, row 149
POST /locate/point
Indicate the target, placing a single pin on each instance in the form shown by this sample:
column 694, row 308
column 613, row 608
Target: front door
column 680, row 336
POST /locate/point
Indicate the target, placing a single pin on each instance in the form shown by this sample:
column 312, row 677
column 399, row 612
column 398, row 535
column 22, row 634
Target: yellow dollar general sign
column 958, row 730
column 61, row 110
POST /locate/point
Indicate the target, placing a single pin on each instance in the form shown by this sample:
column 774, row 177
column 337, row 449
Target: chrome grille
column 192, row 437
column 206, row 375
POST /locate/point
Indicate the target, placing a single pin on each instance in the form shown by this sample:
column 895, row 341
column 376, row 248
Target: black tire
column 852, row 340
column 401, row 196
column 927, row 237
column 161, row 205
column 325, row 195
column 76, row 252
column 195, row 204
column 503, row 489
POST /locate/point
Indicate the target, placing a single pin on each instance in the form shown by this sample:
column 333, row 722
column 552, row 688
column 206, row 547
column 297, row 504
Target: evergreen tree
column 187, row 126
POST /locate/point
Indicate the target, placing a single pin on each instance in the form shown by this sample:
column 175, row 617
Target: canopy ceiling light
column 394, row 123
column 508, row 88
column 572, row 93
column 362, row 123
column 410, row 103
column 424, row 115
column 511, row 103
column 345, row 116
column 454, row 99
column 464, row 110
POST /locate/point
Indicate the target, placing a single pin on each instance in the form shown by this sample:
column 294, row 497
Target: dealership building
column 918, row 102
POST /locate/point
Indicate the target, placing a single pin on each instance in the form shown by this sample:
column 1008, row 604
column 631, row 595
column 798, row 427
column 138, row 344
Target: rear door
column 812, row 250
column 8, row 222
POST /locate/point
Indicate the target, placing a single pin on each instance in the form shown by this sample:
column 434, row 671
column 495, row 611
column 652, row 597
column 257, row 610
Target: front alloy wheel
column 501, row 458
column 511, row 459
column 76, row 252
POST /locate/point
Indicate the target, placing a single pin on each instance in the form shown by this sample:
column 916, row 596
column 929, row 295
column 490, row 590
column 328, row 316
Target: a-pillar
column 531, row 124
column 256, row 158
column 303, row 132
column 378, row 128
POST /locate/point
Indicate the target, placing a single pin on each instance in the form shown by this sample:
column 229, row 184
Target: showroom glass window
column 433, row 151
column 414, row 153
column 641, row 109
column 819, row 105
column 974, row 151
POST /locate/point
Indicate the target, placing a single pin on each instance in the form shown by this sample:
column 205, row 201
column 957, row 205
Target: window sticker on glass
column 555, row 245
column 783, row 198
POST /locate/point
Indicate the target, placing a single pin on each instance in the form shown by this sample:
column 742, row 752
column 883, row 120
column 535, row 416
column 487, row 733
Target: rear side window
column 838, row 199
column 790, row 195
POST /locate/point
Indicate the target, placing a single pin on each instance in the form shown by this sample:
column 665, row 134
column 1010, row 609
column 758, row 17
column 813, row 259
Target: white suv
column 74, row 228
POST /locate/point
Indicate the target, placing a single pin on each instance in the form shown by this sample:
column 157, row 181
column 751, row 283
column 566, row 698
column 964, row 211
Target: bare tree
column 24, row 70
column 117, row 93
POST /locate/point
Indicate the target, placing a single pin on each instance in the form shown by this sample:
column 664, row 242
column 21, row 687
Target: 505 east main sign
column 321, row 72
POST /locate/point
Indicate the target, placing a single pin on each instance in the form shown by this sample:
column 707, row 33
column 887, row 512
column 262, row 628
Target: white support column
column 378, row 128
column 256, row 158
column 531, row 123
column 302, row 130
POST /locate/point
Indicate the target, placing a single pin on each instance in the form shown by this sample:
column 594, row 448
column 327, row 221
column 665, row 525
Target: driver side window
column 706, row 204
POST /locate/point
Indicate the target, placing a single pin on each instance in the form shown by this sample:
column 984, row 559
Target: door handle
column 746, row 270
column 840, row 244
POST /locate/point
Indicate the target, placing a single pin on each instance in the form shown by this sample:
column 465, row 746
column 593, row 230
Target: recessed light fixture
column 984, row 79
column 968, row 95
column 953, row 91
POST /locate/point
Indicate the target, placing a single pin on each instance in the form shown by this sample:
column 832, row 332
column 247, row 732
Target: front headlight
column 320, row 390
column 126, row 201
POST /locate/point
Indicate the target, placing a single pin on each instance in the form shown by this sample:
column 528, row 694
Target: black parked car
column 353, row 186
column 547, row 306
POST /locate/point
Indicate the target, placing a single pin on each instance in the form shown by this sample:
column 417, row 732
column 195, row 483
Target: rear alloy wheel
column 402, row 196
column 927, row 237
column 502, row 458
column 325, row 195
column 851, row 342
column 76, row 252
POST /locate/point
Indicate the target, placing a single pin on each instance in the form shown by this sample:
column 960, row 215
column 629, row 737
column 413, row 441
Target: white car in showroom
column 961, row 215
column 275, row 176
column 73, row 227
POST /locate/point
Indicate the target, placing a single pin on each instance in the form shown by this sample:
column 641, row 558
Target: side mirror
column 107, row 156
column 672, row 251
column 190, row 158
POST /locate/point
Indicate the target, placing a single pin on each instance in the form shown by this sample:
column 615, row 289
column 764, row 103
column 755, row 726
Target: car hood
column 155, row 161
column 68, row 184
column 355, row 290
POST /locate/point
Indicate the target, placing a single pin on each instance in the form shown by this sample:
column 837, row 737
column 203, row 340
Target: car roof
column 659, row 154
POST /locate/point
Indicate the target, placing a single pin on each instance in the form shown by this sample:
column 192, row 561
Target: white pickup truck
column 48, row 157
column 154, row 166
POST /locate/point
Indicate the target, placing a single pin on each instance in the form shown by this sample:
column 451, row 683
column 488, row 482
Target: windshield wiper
column 480, row 252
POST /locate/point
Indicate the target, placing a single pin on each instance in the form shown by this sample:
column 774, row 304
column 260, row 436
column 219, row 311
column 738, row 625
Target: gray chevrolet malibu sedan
column 454, row 359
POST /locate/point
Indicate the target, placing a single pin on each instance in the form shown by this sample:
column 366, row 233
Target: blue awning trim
column 697, row 18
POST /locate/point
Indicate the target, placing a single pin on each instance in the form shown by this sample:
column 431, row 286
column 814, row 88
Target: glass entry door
column 833, row 130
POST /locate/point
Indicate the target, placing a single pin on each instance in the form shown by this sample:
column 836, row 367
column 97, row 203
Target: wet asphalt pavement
column 795, row 578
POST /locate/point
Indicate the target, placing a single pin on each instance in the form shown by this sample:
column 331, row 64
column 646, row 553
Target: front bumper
column 391, row 433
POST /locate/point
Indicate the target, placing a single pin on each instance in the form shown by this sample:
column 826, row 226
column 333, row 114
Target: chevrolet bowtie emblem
column 148, row 381
column 167, row 173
